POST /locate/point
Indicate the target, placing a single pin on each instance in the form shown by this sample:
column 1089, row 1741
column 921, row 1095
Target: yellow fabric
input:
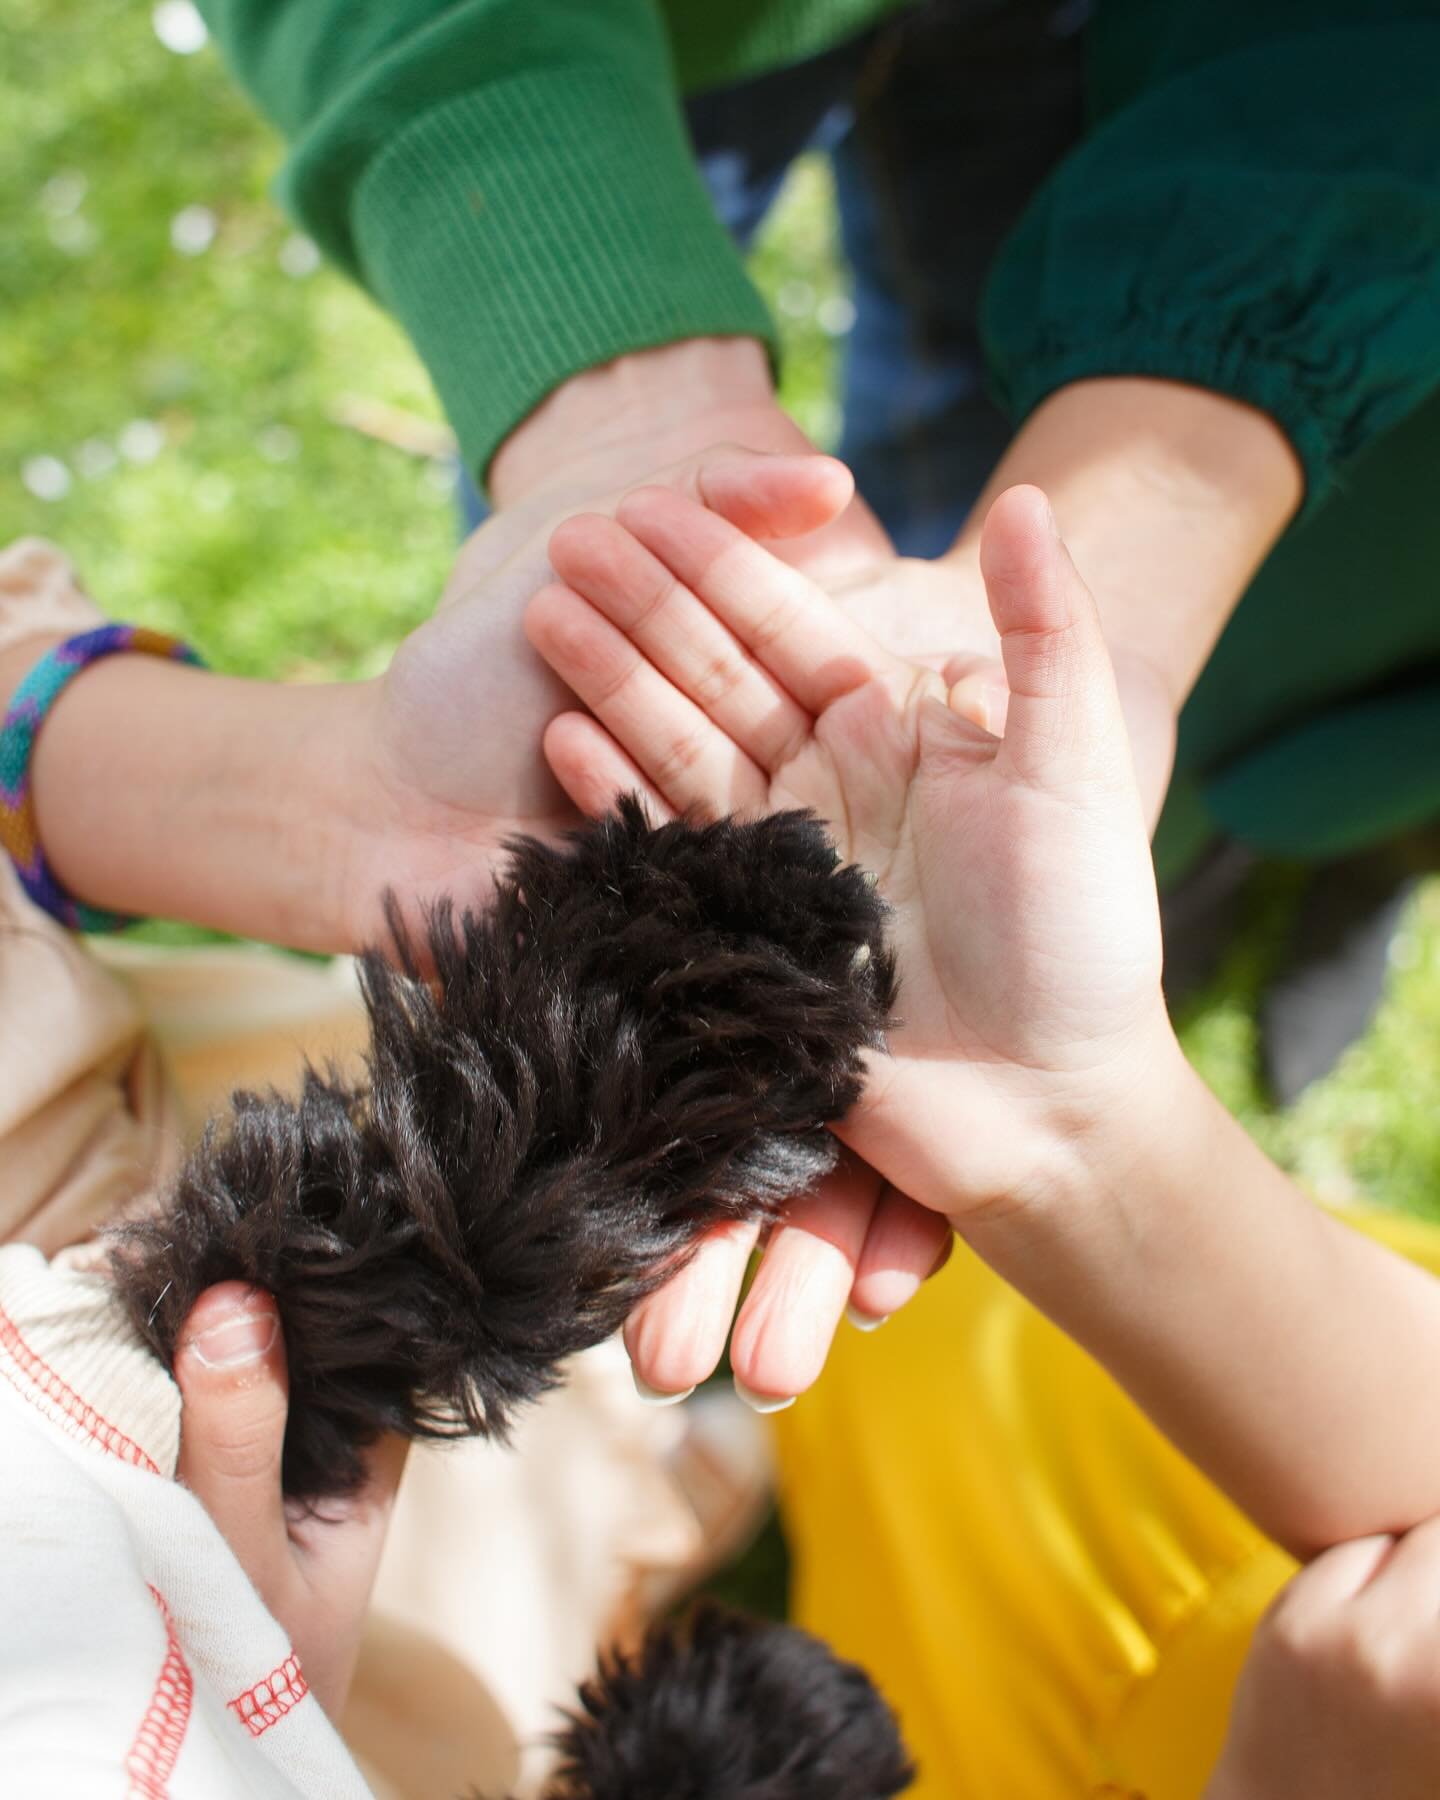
column 1056, row 1602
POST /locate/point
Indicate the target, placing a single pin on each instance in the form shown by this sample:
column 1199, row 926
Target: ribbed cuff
column 537, row 230
column 1234, row 369
column 69, row 1352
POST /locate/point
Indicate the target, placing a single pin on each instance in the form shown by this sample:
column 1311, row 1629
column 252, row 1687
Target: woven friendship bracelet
column 32, row 700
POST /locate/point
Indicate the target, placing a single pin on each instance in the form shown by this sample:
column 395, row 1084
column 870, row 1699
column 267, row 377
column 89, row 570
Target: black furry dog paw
column 728, row 1708
column 646, row 1034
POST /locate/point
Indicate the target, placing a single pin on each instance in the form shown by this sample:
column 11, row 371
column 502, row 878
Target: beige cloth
column 135, row 1657
column 503, row 1569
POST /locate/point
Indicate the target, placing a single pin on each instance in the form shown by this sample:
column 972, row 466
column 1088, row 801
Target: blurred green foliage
column 174, row 367
column 240, row 512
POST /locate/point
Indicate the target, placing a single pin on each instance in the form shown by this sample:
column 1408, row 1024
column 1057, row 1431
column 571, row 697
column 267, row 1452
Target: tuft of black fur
column 646, row 1034
column 728, row 1708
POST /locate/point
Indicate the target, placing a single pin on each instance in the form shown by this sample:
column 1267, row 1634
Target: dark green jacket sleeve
column 1255, row 209
column 511, row 178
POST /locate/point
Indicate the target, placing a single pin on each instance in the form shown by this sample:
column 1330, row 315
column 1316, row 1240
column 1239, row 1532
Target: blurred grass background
column 176, row 367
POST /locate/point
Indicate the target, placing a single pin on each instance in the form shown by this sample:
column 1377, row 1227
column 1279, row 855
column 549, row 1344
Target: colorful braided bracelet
column 31, row 701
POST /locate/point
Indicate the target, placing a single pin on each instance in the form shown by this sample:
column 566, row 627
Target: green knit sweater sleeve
column 511, row 178
column 1255, row 209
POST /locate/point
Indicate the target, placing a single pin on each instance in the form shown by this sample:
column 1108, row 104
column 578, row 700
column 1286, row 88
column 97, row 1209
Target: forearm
column 1288, row 1356
column 168, row 791
column 1169, row 498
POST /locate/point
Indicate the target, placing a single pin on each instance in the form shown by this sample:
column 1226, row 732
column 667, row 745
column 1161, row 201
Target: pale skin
column 281, row 811
column 289, row 812
column 1034, row 1097
column 233, row 1461
column 1340, row 1694
column 313, row 1569
column 284, row 812
column 1173, row 496
column 1341, row 1690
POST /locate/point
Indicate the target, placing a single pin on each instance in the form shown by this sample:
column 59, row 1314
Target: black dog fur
column 646, row 1034
column 726, row 1708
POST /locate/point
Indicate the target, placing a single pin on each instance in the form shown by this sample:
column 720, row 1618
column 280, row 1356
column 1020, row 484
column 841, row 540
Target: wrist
column 1100, row 1150
column 166, row 791
column 628, row 417
column 17, row 662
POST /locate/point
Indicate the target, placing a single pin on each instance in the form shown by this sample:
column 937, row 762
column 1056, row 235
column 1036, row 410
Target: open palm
column 720, row 681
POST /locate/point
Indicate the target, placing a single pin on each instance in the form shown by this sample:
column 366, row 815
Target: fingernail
column 863, row 1321
column 240, row 1339
column 860, row 960
column 762, row 1403
column 995, row 704
column 658, row 1396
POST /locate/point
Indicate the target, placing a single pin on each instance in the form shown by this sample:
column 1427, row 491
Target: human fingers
column 680, row 636
column 593, row 770
column 905, row 1245
column 676, row 1336
column 1404, row 1589
column 800, row 1292
column 1063, row 719
column 788, row 624
column 685, row 758
column 768, row 495
column 1325, row 1586
column 231, row 1371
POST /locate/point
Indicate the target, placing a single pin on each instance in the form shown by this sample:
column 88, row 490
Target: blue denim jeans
column 939, row 126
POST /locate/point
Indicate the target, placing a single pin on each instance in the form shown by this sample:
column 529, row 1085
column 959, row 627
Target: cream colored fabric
column 503, row 1568
column 135, row 1657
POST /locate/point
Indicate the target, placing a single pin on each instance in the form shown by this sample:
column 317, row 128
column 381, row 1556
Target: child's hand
column 1026, row 918
column 313, row 1572
column 1035, row 1095
column 1340, row 1696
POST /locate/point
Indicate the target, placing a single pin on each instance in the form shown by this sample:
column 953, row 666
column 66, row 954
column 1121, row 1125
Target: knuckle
column 775, row 623
column 665, row 589
column 1291, row 1636
column 608, row 673
column 1373, row 1659
column 678, row 759
column 718, row 680
column 241, row 1450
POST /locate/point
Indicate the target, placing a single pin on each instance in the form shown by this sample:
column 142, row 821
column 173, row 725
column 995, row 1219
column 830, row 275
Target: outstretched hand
column 1026, row 920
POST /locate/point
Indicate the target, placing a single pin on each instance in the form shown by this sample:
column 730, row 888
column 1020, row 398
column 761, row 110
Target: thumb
column 1063, row 721
column 767, row 495
column 230, row 1367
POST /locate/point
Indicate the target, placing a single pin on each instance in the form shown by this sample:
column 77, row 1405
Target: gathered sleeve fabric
column 1255, row 209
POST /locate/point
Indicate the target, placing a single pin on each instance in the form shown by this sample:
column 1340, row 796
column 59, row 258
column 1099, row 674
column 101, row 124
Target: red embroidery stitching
column 156, row 1749
column 265, row 1704
column 59, row 1393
